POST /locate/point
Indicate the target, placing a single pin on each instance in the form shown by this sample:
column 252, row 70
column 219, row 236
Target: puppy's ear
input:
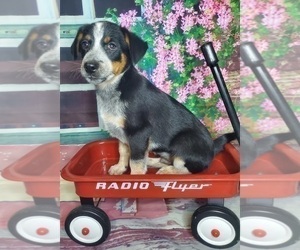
column 75, row 45
column 137, row 46
column 25, row 48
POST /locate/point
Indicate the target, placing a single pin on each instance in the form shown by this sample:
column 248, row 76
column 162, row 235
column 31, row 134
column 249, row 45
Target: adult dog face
column 133, row 110
column 42, row 43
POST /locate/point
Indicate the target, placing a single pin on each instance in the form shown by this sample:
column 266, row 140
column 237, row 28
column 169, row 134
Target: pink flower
column 273, row 16
column 160, row 73
column 205, row 71
column 224, row 73
column 153, row 13
column 274, row 73
column 206, row 22
column 208, row 36
column 249, row 10
column 182, row 94
column 128, row 19
column 221, row 106
column 246, row 93
column 224, row 17
column 221, row 124
column 267, row 124
column 247, row 36
column 198, row 76
column 192, row 47
column 176, row 58
column 187, row 22
column 205, row 92
column 217, row 45
column 253, row 87
column 165, row 86
column 178, row 8
column 294, row 43
column 245, row 71
column 160, row 48
column 268, row 105
column 192, row 87
column 262, row 45
column 170, row 23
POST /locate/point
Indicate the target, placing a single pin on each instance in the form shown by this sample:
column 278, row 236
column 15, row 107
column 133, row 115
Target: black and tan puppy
column 42, row 43
column 141, row 116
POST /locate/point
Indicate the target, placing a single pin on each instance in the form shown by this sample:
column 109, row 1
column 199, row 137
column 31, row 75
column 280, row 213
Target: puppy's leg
column 122, row 165
column 138, row 166
column 177, row 168
column 157, row 162
column 139, row 151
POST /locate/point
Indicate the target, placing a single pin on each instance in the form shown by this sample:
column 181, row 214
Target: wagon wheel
column 268, row 227
column 215, row 226
column 38, row 225
column 87, row 225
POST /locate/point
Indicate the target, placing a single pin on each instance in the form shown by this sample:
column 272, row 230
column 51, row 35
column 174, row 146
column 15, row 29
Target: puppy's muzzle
column 91, row 67
column 51, row 67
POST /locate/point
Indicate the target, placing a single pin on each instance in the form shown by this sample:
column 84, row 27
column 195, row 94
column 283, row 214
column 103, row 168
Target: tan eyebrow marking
column 47, row 37
column 107, row 39
column 30, row 40
column 87, row 37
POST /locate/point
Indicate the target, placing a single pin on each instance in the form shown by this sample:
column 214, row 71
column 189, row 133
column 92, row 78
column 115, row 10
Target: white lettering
column 174, row 185
column 135, row 185
column 113, row 185
column 144, row 185
column 123, row 185
column 101, row 185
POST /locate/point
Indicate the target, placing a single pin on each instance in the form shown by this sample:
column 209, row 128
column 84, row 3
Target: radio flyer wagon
column 212, row 224
column 274, row 174
column 39, row 170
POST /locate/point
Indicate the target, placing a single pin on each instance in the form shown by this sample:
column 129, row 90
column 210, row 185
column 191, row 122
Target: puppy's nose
column 91, row 67
column 50, row 67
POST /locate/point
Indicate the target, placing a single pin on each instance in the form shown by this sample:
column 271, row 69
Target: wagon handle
column 212, row 61
column 254, row 60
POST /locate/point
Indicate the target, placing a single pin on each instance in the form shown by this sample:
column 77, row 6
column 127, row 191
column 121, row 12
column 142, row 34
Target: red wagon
column 213, row 225
column 39, row 170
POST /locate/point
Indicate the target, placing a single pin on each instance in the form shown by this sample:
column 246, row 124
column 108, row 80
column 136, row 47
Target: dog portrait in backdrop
column 42, row 44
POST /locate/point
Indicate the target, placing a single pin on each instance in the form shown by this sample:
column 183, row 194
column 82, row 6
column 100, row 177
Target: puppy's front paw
column 117, row 169
column 166, row 170
column 172, row 170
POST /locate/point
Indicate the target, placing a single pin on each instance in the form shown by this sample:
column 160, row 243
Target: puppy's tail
column 220, row 142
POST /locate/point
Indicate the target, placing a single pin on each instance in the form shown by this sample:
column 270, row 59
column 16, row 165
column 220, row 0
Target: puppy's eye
column 85, row 45
column 112, row 46
column 42, row 44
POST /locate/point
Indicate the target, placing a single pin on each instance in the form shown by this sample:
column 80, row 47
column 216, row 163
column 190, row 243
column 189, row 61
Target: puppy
column 138, row 114
column 42, row 43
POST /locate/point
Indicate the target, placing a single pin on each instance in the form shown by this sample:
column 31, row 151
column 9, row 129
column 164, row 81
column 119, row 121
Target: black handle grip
column 254, row 60
column 212, row 61
column 209, row 54
column 250, row 55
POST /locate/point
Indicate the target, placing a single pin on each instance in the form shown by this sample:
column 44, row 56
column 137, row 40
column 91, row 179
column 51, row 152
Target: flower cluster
column 128, row 19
